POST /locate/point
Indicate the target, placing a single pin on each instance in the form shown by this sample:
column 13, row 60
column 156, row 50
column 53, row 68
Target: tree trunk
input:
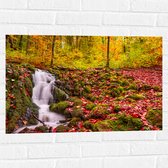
column 108, row 51
column 10, row 41
column 28, row 45
column 53, row 48
column 20, row 42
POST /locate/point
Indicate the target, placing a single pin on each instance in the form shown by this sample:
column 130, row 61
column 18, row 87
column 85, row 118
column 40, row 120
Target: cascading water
column 42, row 96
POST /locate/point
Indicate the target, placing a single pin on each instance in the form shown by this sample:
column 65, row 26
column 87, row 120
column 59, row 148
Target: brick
column 53, row 30
column 162, row 135
column 13, row 152
column 129, row 19
column 82, row 163
column 103, row 149
column 104, row 31
column 2, row 91
column 162, row 162
column 2, row 48
column 79, row 18
column 165, row 48
column 131, row 136
column 27, row 17
column 2, row 122
column 79, row 137
column 12, row 29
column 162, row 20
column 150, row 5
column 106, row 5
column 2, row 106
column 149, row 148
column 165, row 119
column 2, row 65
column 27, row 163
column 165, row 105
column 130, row 162
column 54, row 151
column 149, row 31
column 55, row 4
column 26, row 138
column 2, row 77
column 13, row 4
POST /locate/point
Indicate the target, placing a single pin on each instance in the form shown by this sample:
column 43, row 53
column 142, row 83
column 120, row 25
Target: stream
column 42, row 96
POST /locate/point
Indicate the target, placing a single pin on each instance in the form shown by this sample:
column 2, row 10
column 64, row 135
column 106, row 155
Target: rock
column 59, row 107
column 62, row 128
column 59, row 95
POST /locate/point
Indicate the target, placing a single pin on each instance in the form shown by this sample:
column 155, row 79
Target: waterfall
column 42, row 96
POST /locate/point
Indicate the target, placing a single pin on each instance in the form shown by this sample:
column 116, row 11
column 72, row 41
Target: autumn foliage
column 113, row 83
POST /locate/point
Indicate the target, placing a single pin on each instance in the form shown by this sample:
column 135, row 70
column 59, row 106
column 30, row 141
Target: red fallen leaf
column 93, row 121
column 71, row 103
column 69, row 109
column 54, row 130
column 135, row 115
column 113, row 118
column 80, row 124
column 72, row 130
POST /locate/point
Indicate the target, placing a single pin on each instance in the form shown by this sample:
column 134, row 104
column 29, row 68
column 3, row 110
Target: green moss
column 90, row 97
column 124, row 83
column 117, row 108
column 59, row 95
column 76, row 100
column 146, row 87
column 74, row 121
column 159, row 94
column 77, row 112
column 90, row 106
column 157, row 88
column 87, row 88
column 132, row 86
column 62, row 128
column 154, row 117
column 136, row 96
column 88, row 125
column 41, row 129
column 100, row 111
column 59, row 107
column 122, row 123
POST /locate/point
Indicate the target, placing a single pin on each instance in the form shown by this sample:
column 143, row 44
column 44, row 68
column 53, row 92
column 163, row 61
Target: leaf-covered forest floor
column 99, row 99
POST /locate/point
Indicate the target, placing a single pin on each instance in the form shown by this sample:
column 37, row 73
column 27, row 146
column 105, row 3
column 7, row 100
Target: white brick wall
column 84, row 150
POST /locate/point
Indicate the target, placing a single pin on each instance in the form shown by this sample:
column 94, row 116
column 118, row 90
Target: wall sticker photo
column 83, row 83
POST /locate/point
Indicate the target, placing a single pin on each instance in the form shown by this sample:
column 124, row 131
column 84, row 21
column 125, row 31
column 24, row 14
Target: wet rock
column 62, row 128
column 59, row 95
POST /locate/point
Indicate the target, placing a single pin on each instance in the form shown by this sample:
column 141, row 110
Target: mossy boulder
column 122, row 122
column 59, row 95
column 88, row 125
column 77, row 112
column 87, row 89
column 62, row 128
column 136, row 96
column 99, row 112
column 59, row 107
column 76, row 101
column 74, row 121
column 41, row 129
column 154, row 117
column 90, row 106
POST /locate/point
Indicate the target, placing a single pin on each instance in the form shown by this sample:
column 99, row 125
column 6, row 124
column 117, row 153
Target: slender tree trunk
column 9, row 39
column 108, row 51
column 28, row 45
column 20, row 42
column 53, row 48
